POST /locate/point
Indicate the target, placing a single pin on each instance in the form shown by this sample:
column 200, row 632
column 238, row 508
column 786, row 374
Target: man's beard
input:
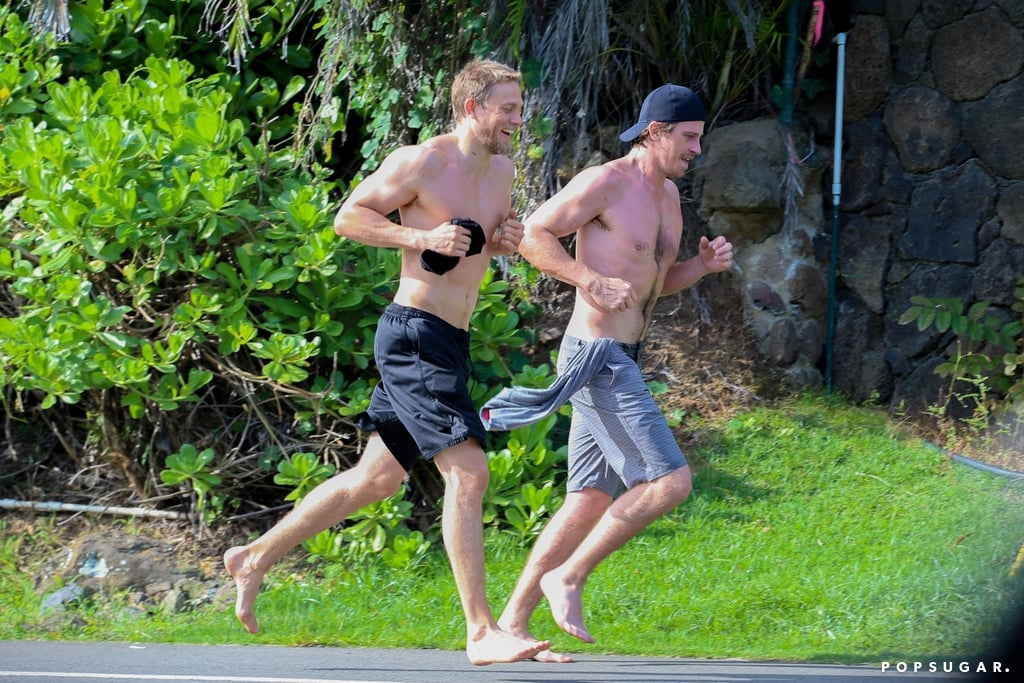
column 496, row 143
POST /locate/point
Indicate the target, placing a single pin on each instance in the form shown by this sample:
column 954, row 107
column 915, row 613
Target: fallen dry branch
column 54, row 506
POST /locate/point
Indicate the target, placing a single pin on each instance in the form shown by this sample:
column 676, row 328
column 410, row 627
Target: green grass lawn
column 815, row 532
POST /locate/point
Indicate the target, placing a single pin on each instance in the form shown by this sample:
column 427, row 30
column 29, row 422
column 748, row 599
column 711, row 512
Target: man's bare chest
column 484, row 200
column 645, row 235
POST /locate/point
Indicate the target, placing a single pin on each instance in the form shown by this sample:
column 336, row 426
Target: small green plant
column 986, row 368
column 10, row 547
column 524, row 474
column 541, row 128
column 495, row 328
column 988, row 344
column 304, row 472
column 406, row 551
column 379, row 529
column 675, row 417
column 192, row 468
column 528, row 512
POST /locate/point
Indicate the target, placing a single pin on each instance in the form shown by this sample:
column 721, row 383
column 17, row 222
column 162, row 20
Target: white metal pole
column 837, row 188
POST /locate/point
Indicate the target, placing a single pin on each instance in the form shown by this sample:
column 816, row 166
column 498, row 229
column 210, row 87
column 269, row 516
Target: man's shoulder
column 624, row 173
column 607, row 177
column 414, row 161
column 429, row 151
column 598, row 174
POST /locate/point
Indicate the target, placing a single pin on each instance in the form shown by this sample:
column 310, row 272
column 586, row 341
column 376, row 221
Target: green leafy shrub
column 154, row 257
column 526, row 480
column 986, row 368
column 171, row 279
column 379, row 529
column 304, row 472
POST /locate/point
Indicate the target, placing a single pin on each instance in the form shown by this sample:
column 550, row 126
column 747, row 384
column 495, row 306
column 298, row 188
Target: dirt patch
column 1000, row 445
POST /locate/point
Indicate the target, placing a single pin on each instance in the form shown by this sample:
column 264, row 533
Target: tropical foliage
column 985, row 367
column 180, row 326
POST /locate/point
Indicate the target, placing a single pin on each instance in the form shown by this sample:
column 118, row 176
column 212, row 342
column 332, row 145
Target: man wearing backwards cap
column 625, row 467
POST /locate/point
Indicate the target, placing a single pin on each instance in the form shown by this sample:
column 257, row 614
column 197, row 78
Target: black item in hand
column 439, row 264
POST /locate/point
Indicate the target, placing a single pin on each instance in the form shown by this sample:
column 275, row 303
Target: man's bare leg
column 464, row 470
column 566, row 528
column 376, row 476
column 625, row 518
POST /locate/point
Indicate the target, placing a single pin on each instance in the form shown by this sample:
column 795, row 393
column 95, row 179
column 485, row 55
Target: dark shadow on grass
column 713, row 484
column 710, row 486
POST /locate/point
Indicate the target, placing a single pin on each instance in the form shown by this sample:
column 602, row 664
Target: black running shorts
column 421, row 406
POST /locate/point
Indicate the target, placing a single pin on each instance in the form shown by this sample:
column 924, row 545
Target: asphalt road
column 77, row 662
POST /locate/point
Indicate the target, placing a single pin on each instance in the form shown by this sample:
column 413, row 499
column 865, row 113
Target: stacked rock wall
column 932, row 199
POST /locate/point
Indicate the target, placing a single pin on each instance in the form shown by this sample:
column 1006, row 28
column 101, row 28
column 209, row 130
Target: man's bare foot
column 549, row 656
column 544, row 656
column 497, row 647
column 247, row 584
column 566, row 604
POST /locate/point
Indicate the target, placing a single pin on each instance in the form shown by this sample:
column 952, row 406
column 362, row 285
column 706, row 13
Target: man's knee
column 388, row 483
column 464, row 470
column 379, row 471
column 587, row 503
column 677, row 484
column 685, row 482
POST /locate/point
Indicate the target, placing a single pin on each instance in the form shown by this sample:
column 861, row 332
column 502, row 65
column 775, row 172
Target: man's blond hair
column 661, row 127
column 475, row 80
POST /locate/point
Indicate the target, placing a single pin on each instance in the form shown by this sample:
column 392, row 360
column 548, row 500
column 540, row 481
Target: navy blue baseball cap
column 667, row 104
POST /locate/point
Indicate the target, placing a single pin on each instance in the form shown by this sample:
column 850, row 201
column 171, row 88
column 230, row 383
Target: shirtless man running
column 422, row 406
column 627, row 221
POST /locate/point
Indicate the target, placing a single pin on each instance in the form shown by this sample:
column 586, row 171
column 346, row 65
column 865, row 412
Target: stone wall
column 743, row 180
column 932, row 199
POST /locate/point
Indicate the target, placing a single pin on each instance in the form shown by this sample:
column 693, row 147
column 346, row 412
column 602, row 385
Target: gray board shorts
column 618, row 437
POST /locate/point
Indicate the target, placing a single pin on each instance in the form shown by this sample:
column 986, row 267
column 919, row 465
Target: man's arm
column 507, row 237
column 715, row 256
column 363, row 216
column 581, row 201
